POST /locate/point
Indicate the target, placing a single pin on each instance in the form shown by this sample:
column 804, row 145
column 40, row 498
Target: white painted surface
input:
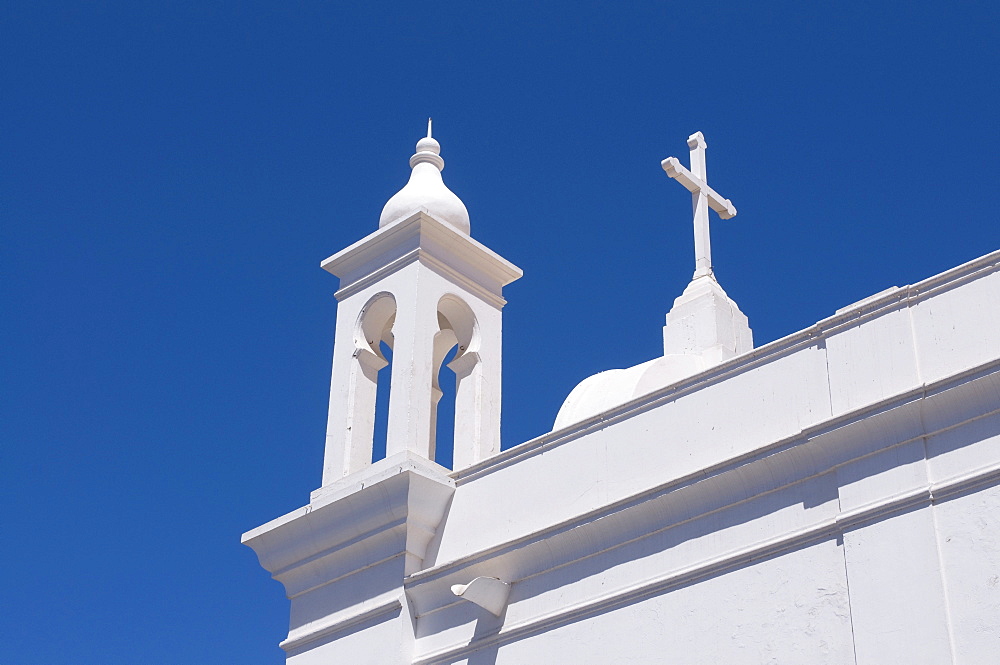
column 374, row 641
column 969, row 538
column 791, row 609
column 872, row 360
column 896, row 591
column 827, row 498
column 956, row 452
column 489, row 593
column 956, row 324
column 703, row 197
column 426, row 190
column 706, row 322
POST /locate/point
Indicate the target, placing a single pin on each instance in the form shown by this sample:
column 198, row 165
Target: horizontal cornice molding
column 420, row 236
column 426, row 258
column 339, row 622
column 393, row 507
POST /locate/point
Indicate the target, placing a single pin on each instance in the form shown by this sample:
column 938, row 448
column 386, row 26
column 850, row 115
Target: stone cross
column 703, row 197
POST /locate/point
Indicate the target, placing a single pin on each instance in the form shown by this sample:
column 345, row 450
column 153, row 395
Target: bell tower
column 416, row 289
column 420, row 285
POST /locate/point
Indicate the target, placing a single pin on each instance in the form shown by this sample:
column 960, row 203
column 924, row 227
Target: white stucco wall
column 828, row 498
column 969, row 540
column 787, row 609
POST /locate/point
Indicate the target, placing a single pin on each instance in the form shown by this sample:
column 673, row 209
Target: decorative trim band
column 448, row 272
column 338, row 547
column 302, row 636
column 371, row 278
column 442, row 268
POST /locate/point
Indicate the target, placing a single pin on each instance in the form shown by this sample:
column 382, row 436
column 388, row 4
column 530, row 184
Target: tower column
column 362, row 324
column 412, row 402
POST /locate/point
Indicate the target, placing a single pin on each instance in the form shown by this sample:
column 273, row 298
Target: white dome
column 598, row 393
column 426, row 191
column 606, row 390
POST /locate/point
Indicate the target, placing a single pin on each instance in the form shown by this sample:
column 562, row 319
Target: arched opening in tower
column 444, row 420
column 382, row 390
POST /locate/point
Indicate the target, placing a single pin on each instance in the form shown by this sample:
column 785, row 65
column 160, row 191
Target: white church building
column 830, row 497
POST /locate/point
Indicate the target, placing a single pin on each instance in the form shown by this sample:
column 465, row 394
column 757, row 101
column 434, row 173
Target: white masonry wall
column 832, row 497
column 829, row 498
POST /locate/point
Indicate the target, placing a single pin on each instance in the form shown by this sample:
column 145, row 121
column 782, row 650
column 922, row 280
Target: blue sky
column 171, row 175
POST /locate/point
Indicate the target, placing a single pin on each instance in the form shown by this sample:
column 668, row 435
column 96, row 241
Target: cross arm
column 694, row 184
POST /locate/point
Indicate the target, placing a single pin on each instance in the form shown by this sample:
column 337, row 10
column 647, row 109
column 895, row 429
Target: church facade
column 830, row 497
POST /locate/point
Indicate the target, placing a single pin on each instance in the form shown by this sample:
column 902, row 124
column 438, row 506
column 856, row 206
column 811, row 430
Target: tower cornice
column 422, row 237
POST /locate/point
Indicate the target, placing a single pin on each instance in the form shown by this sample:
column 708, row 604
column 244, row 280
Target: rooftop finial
column 426, row 190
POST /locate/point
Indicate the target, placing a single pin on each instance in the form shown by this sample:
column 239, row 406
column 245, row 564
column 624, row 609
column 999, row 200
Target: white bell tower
column 421, row 285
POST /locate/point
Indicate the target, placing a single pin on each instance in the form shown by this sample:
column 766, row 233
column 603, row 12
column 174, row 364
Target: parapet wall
column 837, row 445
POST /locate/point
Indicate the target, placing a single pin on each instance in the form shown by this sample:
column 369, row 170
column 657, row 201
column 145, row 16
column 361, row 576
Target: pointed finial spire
column 428, row 150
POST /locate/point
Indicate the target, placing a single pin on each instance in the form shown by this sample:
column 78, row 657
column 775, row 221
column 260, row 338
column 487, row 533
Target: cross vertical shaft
column 699, row 204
